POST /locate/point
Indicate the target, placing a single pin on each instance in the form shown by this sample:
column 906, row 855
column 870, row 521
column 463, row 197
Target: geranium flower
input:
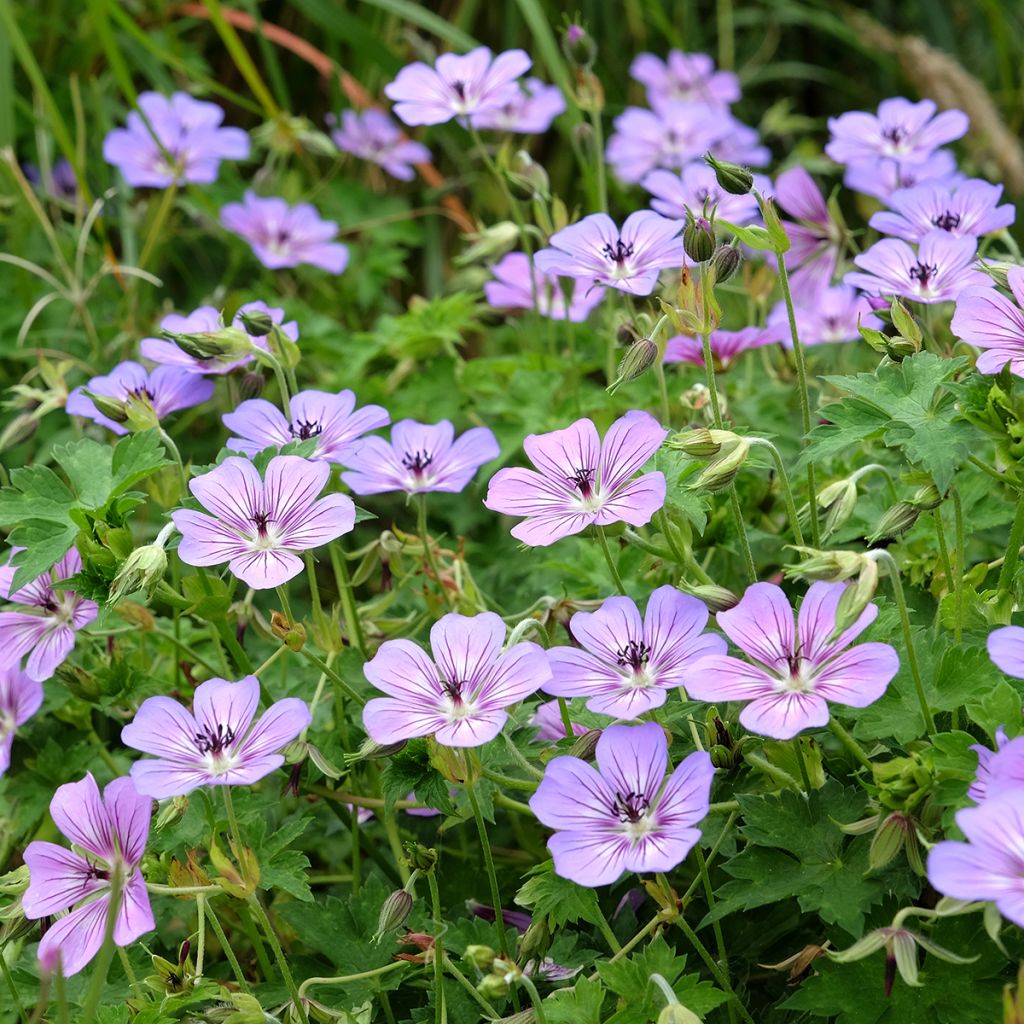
column 529, row 111
column 829, row 317
column 547, row 720
column 283, row 235
column 217, row 744
column 684, row 76
column 156, row 393
column 373, row 136
column 881, row 176
column 696, row 188
column 990, row 865
column 1006, row 644
column 582, row 481
column 990, row 321
column 191, row 142
column 901, row 130
column 46, row 620
column 1000, row 770
column 330, row 418
column 940, row 270
column 259, row 526
column 623, row 815
column 969, row 208
column 726, row 346
column 458, row 697
column 630, row 260
column 111, row 831
column 511, row 289
column 62, row 182
column 795, row 672
column 815, row 238
column 20, row 698
column 420, row 457
column 207, row 320
column 627, row 664
column 456, row 86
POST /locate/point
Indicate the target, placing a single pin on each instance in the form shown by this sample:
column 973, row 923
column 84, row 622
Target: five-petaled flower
column 420, row 457
column 794, row 671
column 815, row 238
column 216, row 744
column 582, row 481
column 20, row 698
column 968, row 208
column 46, row 619
column 111, row 831
column 832, row 315
column 628, row 259
column 690, row 77
column 183, row 142
column 511, row 289
column 881, row 177
column 529, row 111
column 259, row 526
column 627, row 665
column 726, row 346
column 994, row 323
column 457, row 86
column 623, row 815
column 373, row 136
column 460, row 695
column 332, row 419
column 696, row 189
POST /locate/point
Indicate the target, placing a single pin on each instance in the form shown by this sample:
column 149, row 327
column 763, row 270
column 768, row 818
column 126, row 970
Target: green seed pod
column 736, row 180
column 257, row 324
column 639, row 358
column 481, row 957
column 585, row 745
column 393, row 914
column 725, row 262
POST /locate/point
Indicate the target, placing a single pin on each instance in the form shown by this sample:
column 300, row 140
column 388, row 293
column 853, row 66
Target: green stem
column 492, row 877
column 659, row 375
column 855, row 750
column 270, row 661
column 741, row 532
column 606, row 930
column 787, row 490
column 709, row 363
column 713, row 853
column 602, row 540
column 961, row 559
column 15, row 1001
column 802, row 762
column 506, row 780
column 156, row 227
column 133, row 982
column 490, row 1011
column 602, row 174
column 106, row 955
column 535, row 999
column 435, row 903
column 952, row 583
column 345, row 979
column 236, row 967
column 709, row 894
column 338, row 681
column 200, row 935
column 428, row 552
column 314, row 588
column 282, row 962
column 349, row 608
column 563, row 711
column 1009, row 568
column 173, row 449
column 723, row 981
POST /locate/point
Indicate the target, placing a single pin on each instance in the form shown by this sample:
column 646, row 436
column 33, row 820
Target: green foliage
column 550, row 895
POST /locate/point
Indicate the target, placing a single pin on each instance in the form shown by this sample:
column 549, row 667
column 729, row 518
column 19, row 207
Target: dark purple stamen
column 460, row 89
column 631, row 807
column 214, row 742
column 923, row 273
column 303, row 430
column 618, row 253
column 895, row 135
column 454, row 690
column 417, row 461
column 634, row 654
column 260, row 520
column 143, row 393
column 583, row 479
column 947, row 221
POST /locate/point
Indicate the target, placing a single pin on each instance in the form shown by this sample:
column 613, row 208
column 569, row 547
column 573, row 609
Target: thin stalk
column 485, row 845
column 712, row 854
column 348, row 602
column 709, row 894
column 270, row 661
column 428, row 553
column 106, row 955
column 602, row 174
column 535, row 999
column 440, row 1011
column 345, row 979
column 961, row 558
column 333, row 676
column 156, row 226
column 787, row 490
column 133, row 982
column 236, row 967
column 563, row 711
column 606, row 930
column 855, row 750
column 947, row 565
column 741, row 532
column 723, row 981
column 282, row 962
column 15, row 1001
column 602, row 540
column 1012, row 556
column 173, row 449
column 506, row 780
column 802, row 762
column 492, row 1013
column 200, row 935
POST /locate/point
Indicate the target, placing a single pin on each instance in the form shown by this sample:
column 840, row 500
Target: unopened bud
column 526, row 178
column 579, row 47
column 903, row 321
column 493, row 986
column 856, row 597
column 725, row 262
column 717, row 599
column 832, row 566
column 676, row 1013
column 18, row 431
column 536, row 941
column 251, row 385
column 371, row 751
column 481, row 957
column 225, row 341
column 698, row 238
column 837, row 501
column 256, row 323
column 291, row 634
column 171, row 812
column 142, row 570
column 586, row 745
column 926, row 498
column 721, row 756
column 736, row 180
column 422, row 858
column 701, row 443
column 889, row 840
column 393, row 914
column 896, row 520
column 639, row 358
column 722, row 469
column 113, row 408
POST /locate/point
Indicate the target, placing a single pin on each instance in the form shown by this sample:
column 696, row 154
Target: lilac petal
column 966, row 872
column 219, row 705
column 859, row 676
column 576, row 673
column 816, row 622
column 783, row 715
column 130, row 814
column 259, row 424
column 673, row 623
column 473, row 731
column 77, row 810
column 552, row 511
column 51, row 649
column 263, row 570
column 19, row 635
column 135, row 916
column 325, row 520
column 233, row 492
column 589, row 858
column 797, row 194
column 761, row 625
column 465, row 646
column 464, row 458
column 724, row 678
column 291, row 485
column 518, row 672
column 161, row 779
column 628, row 703
column 21, row 694
column 402, row 669
column 206, row 540
column 685, row 799
column 573, row 795
column 662, row 850
column 560, row 454
column 74, row 940
column 58, row 879
column 635, row 502
column 389, row 720
column 281, row 723
column 162, row 727
column 609, row 630
column 1006, row 649
column 628, row 444
column 633, row 758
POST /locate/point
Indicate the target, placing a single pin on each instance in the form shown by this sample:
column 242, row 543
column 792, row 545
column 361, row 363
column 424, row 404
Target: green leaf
column 136, row 457
column 45, row 543
column 580, row 1004
column 35, row 492
column 87, row 464
column 281, row 867
column 410, row 771
column 550, row 895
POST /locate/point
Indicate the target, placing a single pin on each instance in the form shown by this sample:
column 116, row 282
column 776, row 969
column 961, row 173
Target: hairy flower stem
column 606, row 931
column 709, row 893
column 961, row 557
column 106, row 954
column 805, row 398
column 343, row 581
column 492, row 877
column 602, row 540
column 717, row 974
column 563, row 711
column 802, row 762
column 428, row 551
column 173, row 449
column 490, row 1011
column 741, row 532
column 599, row 163
column 339, row 683
column 346, row 979
column 440, row 1011
column 1012, row 556
column 535, row 999
column 282, row 962
column 855, row 750
column 225, row 945
column 787, row 490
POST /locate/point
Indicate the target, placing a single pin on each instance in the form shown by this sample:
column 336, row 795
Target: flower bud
column 700, row 443
column 488, row 243
column 736, row 180
column 639, row 358
column 926, row 498
column 725, row 262
column 585, row 745
column 721, row 757
column 371, row 751
column 889, row 840
column 142, row 570
column 113, row 408
column 676, row 1013
column 717, row 599
column 256, row 323
column 422, row 858
column 698, row 238
column 19, row 430
column 722, row 469
column 481, row 957
column 171, row 812
column 896, row 520
column 773, row 224
column 493, row 986
column 837, row 501
column 908, row 327
column 527, row 179
column 579, row 47
column 223, row 342
column 535, row 941
column 291, row 634
column 856, row 597
column 832, row 566
column 393, row 914
column 251, row 385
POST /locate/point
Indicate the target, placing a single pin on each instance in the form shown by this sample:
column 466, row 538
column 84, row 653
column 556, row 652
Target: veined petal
column 162, row 727
column 135, row 916
column 74, row 940
column 608, row 631
column 573, row 795
column 220, row 706
column 761, row 625
column 403, row 669
column 589, row 858
column 58, row 879
column 130, row 813
column 633, row 758
column 859, row 676
column 783, row 715
column 388, row 719
column 466, row 646
column 276, row 728
column 78, row 811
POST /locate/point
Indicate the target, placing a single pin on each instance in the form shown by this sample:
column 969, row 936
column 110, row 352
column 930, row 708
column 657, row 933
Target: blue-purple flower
column 373, row 136
column 690, row 77
column 830, row 316
column 994, row 323
column 968, row 208
column 20, row 698
column 530, row 111
column 511, row 289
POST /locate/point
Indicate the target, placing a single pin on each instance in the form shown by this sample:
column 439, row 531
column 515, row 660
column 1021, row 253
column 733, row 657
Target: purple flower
column 815, row 239
column 111, row 831
column 684, row 76
column 216, row 744
column 990, row 865
column 547, row 719
column 940, row 270
column 206, row 320
column 725, row 345
column 44, row 627
column 459, row 696
column 989, row 320
column 1000, row 770
column 582, row 481
column 160, row 392
column 61, row 184
column 828, row 317
column 20, row 698
column 672, row 136
column 795, row 672
column 1006, row 644
column 259, row 526
column 373, row 136
column 191, row 142
column 696, row 188
column 456, row 86
column 511, row 289
column 623, row 815
column 530, row 111
column 595, row 249
column 881, row 176
column 283, row 235
column 627, row 664
column 420, row 457
column 332, row 419
column 901, row 130
column 969, row 208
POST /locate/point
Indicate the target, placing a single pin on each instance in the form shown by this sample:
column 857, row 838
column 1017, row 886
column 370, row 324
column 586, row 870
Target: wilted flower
column 46, row 621
column 372, row 135
column 624, row 815
column 216, row 744
column 511, row 289
column 283, row 235
column 726, row 346
column 628, row 259
column 832, row 315
column 146, row 396
column 815, row 237
column 529, row 111
column 112, row 831
column 696, row 188
column 690, row 77
column 457, row 86
column 627, row 664
column 331, row 419
column 969, row 208
column 259, row 526
column 795, row 671
column 20, row 698
column 459, row 697
column 547, row 719
column 990, row 321
column 420, row 457
column 582, row 481
column 188, row 147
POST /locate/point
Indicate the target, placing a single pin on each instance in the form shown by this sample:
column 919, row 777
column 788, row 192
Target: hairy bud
column 698, row 238
column 639, row 358
column 256, row 322
column 717, row 599
column 585, row 745
column 725, row 262
column 393, row 914
column 579, row 47
column 896, row 520
column 142, row 570
column 733, row 178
